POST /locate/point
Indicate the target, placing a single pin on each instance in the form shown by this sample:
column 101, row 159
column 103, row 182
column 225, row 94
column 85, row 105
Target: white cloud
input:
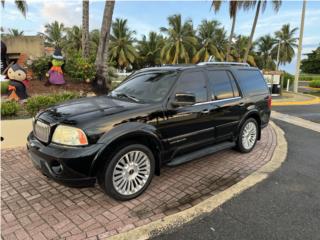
column 274, row 22
column 68, row 12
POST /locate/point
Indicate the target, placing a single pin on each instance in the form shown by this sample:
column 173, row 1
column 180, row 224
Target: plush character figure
column 55, row 73
column 18, row 83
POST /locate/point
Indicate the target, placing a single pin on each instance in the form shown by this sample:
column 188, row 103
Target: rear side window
column 252, row 82
column 234, row 85
column 222, row 86
column 193, row 82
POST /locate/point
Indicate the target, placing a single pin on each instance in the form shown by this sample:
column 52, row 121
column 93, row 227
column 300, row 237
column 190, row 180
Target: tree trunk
column 102, row 83
column 245, row 58
column 85, row 28
column 296, row 77
column 231, row 36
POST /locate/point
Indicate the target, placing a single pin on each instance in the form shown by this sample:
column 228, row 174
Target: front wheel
column 129, row 172
column 248, row 136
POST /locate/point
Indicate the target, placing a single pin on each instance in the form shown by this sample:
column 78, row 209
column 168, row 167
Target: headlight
column 69, row 136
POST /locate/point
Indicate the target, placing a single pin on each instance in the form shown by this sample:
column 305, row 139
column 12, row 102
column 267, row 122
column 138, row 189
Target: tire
column 248, row 136
column 122, row 179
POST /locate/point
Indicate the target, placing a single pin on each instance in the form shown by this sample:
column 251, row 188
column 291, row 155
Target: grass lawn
column 309, row 77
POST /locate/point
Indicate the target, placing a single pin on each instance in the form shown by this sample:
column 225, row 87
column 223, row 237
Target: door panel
column 226, row 116
column 187, row 125
column 227, row 103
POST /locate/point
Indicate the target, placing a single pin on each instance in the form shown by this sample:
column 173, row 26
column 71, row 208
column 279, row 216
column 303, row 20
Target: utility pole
column 296, row 78
column 278, row 55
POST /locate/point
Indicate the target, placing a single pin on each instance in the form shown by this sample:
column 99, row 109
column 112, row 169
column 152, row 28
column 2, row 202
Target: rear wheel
column 248, row 136
column 129, row 172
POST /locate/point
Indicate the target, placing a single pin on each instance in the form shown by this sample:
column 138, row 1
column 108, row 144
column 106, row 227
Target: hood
column 85, row 109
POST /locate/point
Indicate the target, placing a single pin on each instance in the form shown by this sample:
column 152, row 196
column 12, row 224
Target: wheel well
column 111, row 148
column 257, row 118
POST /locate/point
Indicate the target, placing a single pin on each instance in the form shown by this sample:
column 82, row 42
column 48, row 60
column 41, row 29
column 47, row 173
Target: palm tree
column 238, row 49
column 286, row 42
column 20, row 4
column 207, row 32
column 121, row 45
column 101, row 81
column 94, row 41
column 221, row 41
column 15, row 32
column 234, row 6
column 265, row 45
column 149, row 49
column 276, row 4
column 54, row 34
column 73, row 39
column 181, row 42
column 85, row 28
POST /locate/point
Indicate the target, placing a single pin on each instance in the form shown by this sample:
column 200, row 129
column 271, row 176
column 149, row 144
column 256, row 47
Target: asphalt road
column 308, row 112
column 284, row 206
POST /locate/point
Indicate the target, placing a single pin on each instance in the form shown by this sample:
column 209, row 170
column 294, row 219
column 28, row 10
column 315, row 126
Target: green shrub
column 315, row 83
column 285, row 78
column 80, row 69
column 40, row 67
column 309, row 77
column 37, row 103
column 9, row 108
column 62, row 97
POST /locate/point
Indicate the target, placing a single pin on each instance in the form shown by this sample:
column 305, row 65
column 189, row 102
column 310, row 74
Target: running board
column 200, row 153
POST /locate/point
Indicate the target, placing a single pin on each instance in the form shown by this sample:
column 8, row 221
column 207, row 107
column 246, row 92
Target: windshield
column 146, row 87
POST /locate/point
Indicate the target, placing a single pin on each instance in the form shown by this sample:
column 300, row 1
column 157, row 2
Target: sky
column 146, row 16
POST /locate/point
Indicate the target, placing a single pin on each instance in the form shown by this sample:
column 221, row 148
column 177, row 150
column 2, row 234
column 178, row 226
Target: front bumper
column 69, row 166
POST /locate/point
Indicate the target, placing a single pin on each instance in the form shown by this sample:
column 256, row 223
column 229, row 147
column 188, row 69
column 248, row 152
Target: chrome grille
column 42, row 131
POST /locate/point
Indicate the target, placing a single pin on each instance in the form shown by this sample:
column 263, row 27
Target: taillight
column 269, row 102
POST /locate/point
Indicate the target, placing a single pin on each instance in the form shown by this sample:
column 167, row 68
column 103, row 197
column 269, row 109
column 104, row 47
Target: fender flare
column 127, row 130
column 248, row 114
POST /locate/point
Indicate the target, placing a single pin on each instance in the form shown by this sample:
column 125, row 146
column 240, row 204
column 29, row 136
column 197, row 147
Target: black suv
column 162, row 115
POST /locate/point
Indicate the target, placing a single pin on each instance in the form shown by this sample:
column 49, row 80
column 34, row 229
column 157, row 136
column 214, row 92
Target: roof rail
column 224, row 63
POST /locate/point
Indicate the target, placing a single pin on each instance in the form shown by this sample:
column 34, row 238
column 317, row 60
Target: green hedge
column 41, row 66
column 285, row 78
column 9, row 108
column 37, row 103
column 315, row 83
column 309, row 77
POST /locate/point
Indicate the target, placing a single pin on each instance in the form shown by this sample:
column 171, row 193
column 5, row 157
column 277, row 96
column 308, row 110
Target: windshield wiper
column 127, row 96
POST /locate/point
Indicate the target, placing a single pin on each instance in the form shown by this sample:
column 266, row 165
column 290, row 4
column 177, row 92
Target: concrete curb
column 296, row 121
column 314, row 100
column 312, row 88
column 208, row 205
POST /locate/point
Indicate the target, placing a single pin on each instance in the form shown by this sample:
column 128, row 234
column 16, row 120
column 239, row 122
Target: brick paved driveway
column 34, row 207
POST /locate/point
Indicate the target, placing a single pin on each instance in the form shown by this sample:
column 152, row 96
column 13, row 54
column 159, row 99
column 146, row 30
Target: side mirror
column 184, row 99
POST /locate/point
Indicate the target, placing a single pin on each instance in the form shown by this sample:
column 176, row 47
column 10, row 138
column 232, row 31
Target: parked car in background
column 163, row 115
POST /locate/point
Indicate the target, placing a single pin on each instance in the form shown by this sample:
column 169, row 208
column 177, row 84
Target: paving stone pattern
column 35, row 207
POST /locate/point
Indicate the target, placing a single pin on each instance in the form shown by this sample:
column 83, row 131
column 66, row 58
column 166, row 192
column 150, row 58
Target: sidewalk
column 290, row 98
column 15, row 132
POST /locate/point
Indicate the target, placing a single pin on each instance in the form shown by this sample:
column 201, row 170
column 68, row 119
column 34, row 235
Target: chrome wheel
column 249, row 135
column 131, row 172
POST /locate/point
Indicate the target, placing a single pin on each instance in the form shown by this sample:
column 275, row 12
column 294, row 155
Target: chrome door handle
column 205, row 111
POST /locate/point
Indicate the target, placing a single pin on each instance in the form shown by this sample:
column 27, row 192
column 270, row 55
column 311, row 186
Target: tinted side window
column 193, row 82
column 234, row 85
column 252, row 82
column 220, row 85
